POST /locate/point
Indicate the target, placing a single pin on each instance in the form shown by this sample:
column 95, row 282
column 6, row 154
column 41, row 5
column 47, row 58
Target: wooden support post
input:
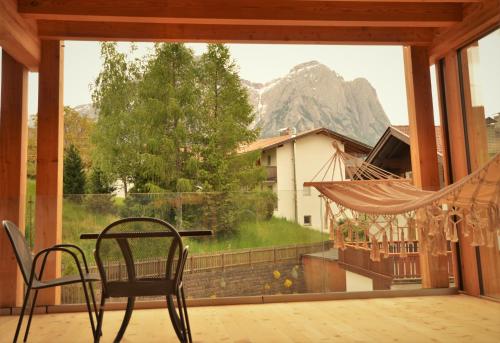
column 448, row 178
column 13, row 157
column 49, row 168
column 458, row 161
column 424, row 161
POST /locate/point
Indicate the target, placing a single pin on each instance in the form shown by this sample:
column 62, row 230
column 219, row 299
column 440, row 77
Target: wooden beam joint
column 18, row 36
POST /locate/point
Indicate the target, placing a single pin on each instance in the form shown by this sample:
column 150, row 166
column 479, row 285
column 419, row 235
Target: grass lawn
column 257, row 234
column 251, row 234
column 30, row 211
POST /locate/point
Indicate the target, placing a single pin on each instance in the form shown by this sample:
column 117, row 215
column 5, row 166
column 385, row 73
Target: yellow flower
column 276, row 274
column 267, row 287
column 288, row 283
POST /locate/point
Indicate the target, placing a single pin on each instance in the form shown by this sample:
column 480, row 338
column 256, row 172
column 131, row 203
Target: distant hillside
column 311, row 96
column 86, row 110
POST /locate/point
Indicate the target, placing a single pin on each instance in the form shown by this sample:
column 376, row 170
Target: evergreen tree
column 227, row 115
column 99, row 183
column 74, row 175
column 166, row 107
column 176, row 123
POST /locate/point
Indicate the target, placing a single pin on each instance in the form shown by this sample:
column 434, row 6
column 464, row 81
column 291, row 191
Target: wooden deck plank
column 452, row 318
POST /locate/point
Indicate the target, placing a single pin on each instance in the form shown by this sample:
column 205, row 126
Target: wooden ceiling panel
column 249, row 12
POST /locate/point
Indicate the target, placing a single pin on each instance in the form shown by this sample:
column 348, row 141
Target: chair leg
column 174, row 317
column 89, row 309
column 92, row 295
column 33, row 304
column 126, row 318
column 21, row 315
column 184, row 305
column 181, row 314
column 100, row 317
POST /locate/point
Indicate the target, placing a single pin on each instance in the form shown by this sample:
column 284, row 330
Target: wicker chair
column 28, row 263
column 143, row 238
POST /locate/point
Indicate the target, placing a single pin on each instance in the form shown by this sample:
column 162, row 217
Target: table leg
column 129, row 261
column 126, row 319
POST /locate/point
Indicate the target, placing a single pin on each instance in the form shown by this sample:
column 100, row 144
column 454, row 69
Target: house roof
column 400, row 134
column 351, row 145
column 406, row 130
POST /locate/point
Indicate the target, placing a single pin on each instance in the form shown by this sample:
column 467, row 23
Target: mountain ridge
column 312, row 95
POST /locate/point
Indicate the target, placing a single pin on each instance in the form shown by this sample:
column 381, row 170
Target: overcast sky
column 382, row 66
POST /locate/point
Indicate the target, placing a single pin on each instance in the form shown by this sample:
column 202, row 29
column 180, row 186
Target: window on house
column 306, row 191
column 307, row 220
column 268, row 160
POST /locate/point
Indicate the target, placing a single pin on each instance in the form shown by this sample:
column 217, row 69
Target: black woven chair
column 28, row 263
column 143, row 238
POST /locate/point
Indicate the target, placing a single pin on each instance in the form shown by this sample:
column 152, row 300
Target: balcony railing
column 398, row 268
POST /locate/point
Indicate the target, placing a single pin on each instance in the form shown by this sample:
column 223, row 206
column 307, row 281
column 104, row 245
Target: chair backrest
column 154, row 257
column 22, row 251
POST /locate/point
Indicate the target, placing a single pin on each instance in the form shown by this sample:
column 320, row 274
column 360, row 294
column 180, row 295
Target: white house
column 292, row 159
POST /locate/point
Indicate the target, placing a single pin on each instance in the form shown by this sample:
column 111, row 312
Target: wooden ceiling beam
column 248, row 12
column 18, row 36
column 392, row 1
column 61, row 30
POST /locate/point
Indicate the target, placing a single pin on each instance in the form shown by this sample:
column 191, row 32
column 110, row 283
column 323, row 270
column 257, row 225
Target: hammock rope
column 372, row 208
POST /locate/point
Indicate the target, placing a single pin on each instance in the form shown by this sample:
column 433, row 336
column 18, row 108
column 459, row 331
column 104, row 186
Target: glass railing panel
column 260, row 244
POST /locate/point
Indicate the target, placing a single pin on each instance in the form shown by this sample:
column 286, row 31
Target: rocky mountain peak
column 312, row 95
column 305, row 66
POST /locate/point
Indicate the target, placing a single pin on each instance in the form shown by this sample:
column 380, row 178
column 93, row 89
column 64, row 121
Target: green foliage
column 166, row 106
column 74, row 175
column 78, row 218
column 100, row 186
column 223, row 212
column 184, row 185
column 256, row 234
column 32, row 146
column 226, row 116
column 77, row 131
column 30, row 211
column 174, row 123
column 99, row 182
column 251, row 233
column 117, row 145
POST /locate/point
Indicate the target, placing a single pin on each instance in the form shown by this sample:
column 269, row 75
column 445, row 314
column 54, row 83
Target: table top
column 147, row 234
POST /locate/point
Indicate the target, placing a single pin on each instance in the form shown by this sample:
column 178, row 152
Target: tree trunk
column 125, row 188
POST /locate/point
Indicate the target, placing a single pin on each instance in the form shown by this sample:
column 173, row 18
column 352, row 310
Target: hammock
column 374, row 208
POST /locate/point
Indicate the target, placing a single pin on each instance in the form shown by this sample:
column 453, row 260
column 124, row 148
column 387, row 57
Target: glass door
column 480, row 75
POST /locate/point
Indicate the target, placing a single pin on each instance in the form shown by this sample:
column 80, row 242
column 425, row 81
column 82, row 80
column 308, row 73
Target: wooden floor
column 451, row 318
